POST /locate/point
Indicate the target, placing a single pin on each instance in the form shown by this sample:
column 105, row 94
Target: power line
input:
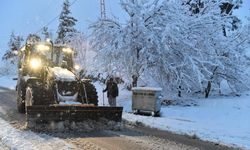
column 52, row 20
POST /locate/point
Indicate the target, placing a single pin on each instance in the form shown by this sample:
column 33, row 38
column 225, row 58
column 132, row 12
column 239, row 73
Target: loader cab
column 51, row 55
column 41, row 53
column 63, row 57
column 33, row 57
column 36, row 56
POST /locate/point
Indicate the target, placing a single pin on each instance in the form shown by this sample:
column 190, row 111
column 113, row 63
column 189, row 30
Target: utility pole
column 103, row 11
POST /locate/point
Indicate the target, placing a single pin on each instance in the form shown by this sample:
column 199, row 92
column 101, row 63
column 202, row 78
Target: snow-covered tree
column 80, row 45
column 8, row 68
column 195, row 48
column 14, row 45
column 226, row 7
column 121, row 49
column 185, row 52
column 66, row 24
column 104, row 42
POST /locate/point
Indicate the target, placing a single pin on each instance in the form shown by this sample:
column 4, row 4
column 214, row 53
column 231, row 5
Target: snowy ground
column 12, row 138
column 224, row 120
column 17, row 139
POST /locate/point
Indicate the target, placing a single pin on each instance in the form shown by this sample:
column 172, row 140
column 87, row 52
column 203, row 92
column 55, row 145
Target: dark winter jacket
column 112, row 89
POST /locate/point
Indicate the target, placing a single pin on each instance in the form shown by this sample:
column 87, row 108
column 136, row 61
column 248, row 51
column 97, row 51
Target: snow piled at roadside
column 27, row 140
column 223, row 120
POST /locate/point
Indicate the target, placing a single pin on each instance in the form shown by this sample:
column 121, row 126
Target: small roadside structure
column 146, row 100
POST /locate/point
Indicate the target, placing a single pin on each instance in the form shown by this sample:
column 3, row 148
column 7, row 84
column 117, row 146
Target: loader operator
column 112, row 93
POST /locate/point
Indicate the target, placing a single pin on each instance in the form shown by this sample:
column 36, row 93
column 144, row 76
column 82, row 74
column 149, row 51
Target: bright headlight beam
column 77, row 67
column 35, row 63
column 48, row 40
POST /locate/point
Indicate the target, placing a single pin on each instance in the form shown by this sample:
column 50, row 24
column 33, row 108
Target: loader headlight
column 67, row 50
column 77, row 67
column 35, row 63
column 42, row 47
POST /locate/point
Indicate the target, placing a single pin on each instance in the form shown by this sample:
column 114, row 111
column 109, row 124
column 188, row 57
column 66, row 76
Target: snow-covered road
column 14, row 135
column 27, row 140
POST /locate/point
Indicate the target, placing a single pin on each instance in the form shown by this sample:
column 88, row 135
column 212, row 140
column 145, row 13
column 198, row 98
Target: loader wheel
column 20, row 101
column 92, row 97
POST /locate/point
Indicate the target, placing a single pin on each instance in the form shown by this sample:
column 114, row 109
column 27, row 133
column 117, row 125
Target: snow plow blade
column 72, row 113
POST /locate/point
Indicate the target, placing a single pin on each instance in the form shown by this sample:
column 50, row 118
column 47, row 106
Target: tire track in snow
column 27, row 140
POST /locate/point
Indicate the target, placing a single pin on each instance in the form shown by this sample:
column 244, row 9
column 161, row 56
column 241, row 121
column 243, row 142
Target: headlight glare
column 35, row 63
column 77, row 67
column 42, row 47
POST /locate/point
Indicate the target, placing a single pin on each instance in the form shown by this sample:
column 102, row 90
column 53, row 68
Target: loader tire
column 92, row 97
column 20, row 101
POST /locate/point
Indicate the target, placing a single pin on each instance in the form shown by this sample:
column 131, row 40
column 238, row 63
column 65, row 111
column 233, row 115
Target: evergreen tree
column 14, row 45
column 66, row 25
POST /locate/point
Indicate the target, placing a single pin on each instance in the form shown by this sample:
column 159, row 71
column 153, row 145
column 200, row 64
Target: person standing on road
column 112, row 92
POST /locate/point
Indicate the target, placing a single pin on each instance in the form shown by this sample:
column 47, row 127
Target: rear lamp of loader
column 35, row 63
